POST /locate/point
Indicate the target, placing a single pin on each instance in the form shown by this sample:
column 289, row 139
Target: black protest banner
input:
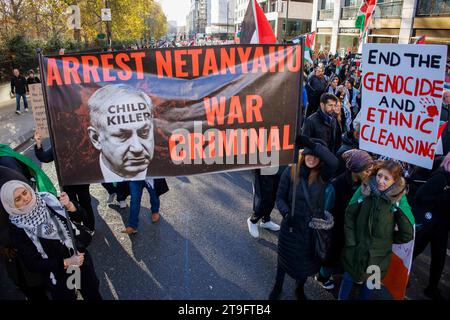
column 167, row 112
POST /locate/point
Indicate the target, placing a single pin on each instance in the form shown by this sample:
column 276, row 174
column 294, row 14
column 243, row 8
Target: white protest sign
column 38, row 107
column 106, row 14
column 403, row 85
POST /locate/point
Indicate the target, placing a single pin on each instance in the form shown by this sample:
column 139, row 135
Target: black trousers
column 434, row 233
column 265, row 194
column 80, row 193
column 89, row 284
column 121, row 190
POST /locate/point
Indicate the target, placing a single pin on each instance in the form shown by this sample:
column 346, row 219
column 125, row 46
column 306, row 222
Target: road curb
column 21, row 140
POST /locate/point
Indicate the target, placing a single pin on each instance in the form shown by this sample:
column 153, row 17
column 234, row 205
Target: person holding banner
column 431, row 210
column 296, row 249
column 40, row 232
column 155, row 188
column 264, row 195
column 121, row 128
column 377, row 216
column 30, row 283
column 79, row 193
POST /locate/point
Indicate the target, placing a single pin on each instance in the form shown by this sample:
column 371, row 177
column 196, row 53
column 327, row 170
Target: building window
column 273, row 6
column 327, row 4
column 433, row 7
column 327, row 10
column 296, row 27
column 390, row 9
column 352, row 3
column 326, row 14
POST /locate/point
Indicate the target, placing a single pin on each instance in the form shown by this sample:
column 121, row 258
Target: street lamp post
column 286, row 21
column 108, row 27
column 228, row 17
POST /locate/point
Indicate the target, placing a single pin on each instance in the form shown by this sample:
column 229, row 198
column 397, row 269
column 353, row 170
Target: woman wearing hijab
column 40, row 231
column 30, row 283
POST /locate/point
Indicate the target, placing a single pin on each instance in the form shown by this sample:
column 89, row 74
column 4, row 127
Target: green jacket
column 372, row 224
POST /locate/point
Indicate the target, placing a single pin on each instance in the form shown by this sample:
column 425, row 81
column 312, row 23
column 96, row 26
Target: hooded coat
column 296, row 254
column 372, row 224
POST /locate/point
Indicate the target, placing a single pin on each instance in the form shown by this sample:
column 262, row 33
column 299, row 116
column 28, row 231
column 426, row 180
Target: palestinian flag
column 255, row 27
column 397, row 276
column 309, row 44
column 420, row 40
column 439, row 147
column 364, row 17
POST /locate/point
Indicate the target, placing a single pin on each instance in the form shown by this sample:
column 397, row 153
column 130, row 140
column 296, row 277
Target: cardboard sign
column 38, row 107
column 402, row 94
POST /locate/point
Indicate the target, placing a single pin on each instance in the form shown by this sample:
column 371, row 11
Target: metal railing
column 326, row 14
column 383, row 10
column 390, row 9
column 433, row 8
column 348, row 13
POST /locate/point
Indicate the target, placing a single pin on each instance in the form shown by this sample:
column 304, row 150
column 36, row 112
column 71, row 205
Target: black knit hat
column 308, row 151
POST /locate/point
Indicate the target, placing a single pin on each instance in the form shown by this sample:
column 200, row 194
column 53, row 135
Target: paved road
column 200, row 249
column 14, row 129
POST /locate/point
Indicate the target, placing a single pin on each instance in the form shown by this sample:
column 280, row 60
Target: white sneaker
column 270, row 225
column 111, row 198
column 122, row 204
column 18, row 112
column 26, row 110
column 253, row 228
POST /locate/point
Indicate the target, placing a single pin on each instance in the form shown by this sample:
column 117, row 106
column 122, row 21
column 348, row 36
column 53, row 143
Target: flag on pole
column 397, row 275
column 439, row 146
column 255, row 27
column 364, row 17
column 309, row 44
column 420, row 40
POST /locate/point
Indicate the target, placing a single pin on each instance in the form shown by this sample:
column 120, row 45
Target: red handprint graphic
column 430, row 107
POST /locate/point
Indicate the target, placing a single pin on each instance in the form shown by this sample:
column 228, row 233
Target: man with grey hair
column 121, row 129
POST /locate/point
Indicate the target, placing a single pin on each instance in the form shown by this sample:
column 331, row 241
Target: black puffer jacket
column 295, row 249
